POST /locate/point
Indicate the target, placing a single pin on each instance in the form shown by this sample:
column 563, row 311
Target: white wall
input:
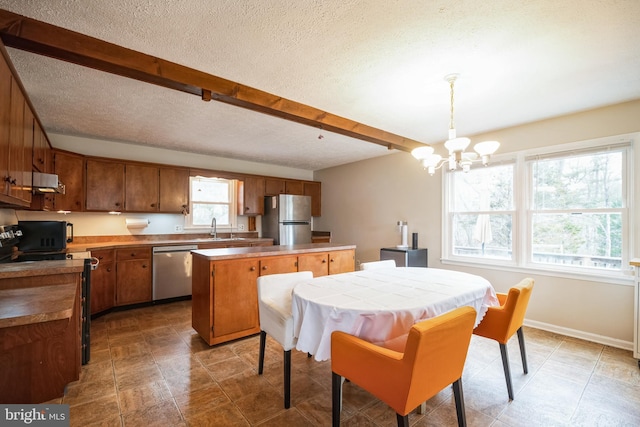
column 361, row 203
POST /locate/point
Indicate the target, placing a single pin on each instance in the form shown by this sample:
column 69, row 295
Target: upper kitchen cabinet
column 293, row 187
column 14, row 164
column 17, row 143
column 70, row 170
column 253, row 196
column 274, row 186
column 174, row 190
column 105, row 185
column 314, row 189
column 42, row 152
column 141, row 188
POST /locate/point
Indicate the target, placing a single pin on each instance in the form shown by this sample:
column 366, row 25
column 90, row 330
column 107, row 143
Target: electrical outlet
column 178, row 228
column 241, row 227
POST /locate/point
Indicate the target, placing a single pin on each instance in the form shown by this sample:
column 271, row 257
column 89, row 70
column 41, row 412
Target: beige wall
column 362, row 202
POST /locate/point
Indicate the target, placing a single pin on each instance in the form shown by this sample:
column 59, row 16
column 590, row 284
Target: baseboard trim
column 574, row 333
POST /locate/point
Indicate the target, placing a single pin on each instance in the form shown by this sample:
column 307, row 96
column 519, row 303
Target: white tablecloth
column 381, row 305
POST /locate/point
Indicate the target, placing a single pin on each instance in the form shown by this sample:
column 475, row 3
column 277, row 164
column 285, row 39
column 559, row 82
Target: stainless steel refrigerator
column 287, row 219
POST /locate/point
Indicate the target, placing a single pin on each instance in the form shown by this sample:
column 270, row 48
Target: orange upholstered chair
column 500, row 323
column 433, row 358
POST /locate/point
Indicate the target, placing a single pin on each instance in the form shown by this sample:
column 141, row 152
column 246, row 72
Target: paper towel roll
column 136, row 222
column 405, row 232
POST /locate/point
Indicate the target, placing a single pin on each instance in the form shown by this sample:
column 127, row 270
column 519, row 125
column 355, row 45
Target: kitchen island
column 224, row 290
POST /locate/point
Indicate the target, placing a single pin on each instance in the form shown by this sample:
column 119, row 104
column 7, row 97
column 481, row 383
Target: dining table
column 380, row 305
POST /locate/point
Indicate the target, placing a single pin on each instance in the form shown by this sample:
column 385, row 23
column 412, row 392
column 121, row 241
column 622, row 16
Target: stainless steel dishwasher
column 172, row 271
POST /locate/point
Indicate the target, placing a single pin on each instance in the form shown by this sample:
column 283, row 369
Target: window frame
column 522, row 221
column 232, row 203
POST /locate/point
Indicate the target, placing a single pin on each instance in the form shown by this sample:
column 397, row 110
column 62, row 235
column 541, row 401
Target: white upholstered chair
column 276, row 319
column 377, row 264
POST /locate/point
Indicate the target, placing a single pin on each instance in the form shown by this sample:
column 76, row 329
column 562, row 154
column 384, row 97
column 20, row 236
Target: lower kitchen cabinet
column 277, row 265
column 133, row 275
column 322, row 264
column 103, row 281
column 235, row 308
column 224, row 292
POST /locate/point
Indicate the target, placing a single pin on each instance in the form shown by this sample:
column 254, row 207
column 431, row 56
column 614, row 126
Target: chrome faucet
column 214, row 228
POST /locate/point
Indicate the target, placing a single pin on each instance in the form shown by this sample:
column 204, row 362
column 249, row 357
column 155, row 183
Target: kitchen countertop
column 88, row 246
column 262, row 251
column 40, row 268
column 25, row 306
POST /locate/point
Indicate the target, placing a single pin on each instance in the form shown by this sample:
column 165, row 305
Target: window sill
column 624, row 278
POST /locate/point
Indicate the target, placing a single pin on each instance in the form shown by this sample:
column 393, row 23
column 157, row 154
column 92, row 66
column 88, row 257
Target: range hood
column 46, row 183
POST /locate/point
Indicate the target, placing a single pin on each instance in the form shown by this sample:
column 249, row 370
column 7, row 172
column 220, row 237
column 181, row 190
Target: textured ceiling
column 378, row 62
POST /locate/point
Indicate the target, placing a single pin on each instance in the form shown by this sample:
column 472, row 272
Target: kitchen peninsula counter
column 40, row 329
column 224, row 282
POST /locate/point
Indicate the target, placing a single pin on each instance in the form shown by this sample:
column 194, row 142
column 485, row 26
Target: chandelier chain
column 451, row 122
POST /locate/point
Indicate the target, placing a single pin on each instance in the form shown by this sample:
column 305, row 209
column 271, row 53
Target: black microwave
column 44, row 235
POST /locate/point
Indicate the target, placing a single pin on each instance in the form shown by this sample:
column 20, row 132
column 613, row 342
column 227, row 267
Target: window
column 209, row 198
column 482, row 212
column 566, row 209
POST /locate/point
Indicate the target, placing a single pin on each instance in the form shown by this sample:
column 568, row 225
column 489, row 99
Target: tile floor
column 149, row 368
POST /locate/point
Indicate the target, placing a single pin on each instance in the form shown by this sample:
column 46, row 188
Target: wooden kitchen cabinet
column 294, row 187
column 141, row 188
column 16, row 143
column 15, row 179
column 42, row 152
column 133, row 275
column 273, row 186
column 314, row 190
column 322, row 264
column 342, row 261
column 277, row 265
column 174, row 190
column 104, row 186
column 103, row 281
column 235, row 300
column 253, row 196
column 70, row 170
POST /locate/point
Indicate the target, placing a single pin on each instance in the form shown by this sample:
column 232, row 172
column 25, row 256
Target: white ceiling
column 378, row 62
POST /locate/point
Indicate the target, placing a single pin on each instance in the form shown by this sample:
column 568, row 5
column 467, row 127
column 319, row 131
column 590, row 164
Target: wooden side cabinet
column 133, row 275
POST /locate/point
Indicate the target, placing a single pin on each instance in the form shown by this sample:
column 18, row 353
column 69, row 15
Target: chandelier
column 456, row 146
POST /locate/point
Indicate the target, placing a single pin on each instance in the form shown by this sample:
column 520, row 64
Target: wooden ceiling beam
column 28, row 34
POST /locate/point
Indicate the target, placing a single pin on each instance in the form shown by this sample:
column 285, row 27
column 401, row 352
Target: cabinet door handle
column 252, row 269
column 264, row 267
column 108, row 269
column 332, row 260
column 324, row 261
column 133, row 254
column 144, row 265
column 153, row 205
